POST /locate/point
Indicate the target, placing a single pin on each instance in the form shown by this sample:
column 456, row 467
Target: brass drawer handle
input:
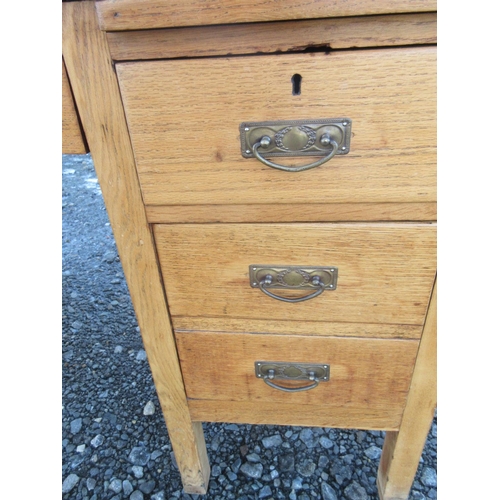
column 318, row 279
column 316, row 282
column 270, row 376
column 296, row 138
column 270, row 370
column 265, row 142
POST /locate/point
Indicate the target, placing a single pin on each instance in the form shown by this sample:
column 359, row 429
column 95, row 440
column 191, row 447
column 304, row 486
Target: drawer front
column 368, row 378
column 184, row 118
column 385, row 275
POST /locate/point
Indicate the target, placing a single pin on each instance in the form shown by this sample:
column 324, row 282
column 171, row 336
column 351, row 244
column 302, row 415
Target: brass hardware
column 276, row 370
column 293, row 278
column 325, row 138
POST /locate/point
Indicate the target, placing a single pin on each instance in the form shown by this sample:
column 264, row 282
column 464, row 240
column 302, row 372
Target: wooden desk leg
column 402, row 449
column 91, row 73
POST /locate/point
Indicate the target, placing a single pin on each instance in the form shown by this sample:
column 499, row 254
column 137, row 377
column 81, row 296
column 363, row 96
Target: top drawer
column 184, row 118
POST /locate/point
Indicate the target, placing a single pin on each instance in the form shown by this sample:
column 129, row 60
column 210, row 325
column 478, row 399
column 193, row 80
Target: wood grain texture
column 386, row 271
column 236, row 325
column 97, row 96
column 117, row 15
column 384, row 419
column 306, row 212
column 72, row 138
column 340, row 33
column 184, row 118
column 367, row 375
column 402, row 449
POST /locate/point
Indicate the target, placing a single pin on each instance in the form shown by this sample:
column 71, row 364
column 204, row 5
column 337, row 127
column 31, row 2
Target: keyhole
column 296, row 81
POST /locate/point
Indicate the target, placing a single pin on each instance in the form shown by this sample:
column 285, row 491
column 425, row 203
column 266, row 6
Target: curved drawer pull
column 269, row 371
column 265, row 142
column 270, row 376
column 268, row 280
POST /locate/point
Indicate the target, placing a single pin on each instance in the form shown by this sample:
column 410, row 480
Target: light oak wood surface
column 184, row 118
column 402, row 449
column 385, row 271
column 304, row 327
column 345, row 417
column 364, row 374
column 340, row 33
column 98, row 98
column 72, row 138
column 297, row 212
column 116, row 15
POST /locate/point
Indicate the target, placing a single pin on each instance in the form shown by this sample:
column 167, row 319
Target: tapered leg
column 97, row 96
column 402, row 449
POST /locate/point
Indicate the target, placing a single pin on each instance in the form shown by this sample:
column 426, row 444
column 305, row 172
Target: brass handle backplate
column 317, row 279
column 324, row 138
column 269, row 371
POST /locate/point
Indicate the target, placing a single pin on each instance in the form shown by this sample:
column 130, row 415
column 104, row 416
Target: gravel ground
column 115, row 444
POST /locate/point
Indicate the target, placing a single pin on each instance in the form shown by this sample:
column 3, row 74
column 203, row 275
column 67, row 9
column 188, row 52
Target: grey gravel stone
column 115, row 485
column 216, row 441
column 139, row 456
column 161, row 496
column 149, row 409
column 373, row 452
column 90, row 483
column 252, row 470
column 356, row 492
column 235, row 466
column 325, row 442
column 265, row 492
column 297, row 483
column 341, row 473
column 97, row 441
column 156, row 454
column 127, row 487
column 272, row 441
column 306, row 468
column 109, row 257
column 253, row 457
column 308, row 438
column 136, row 495
column 417, row 495
column 76, row 425
column 429, row 477
column 286, row 463
column 138, row 471
column 69, row 483
column 148, row 487
column 141, row 355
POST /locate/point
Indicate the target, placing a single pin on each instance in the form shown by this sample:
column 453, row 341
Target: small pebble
column 97, row 441
column 141, row 355
column 272, row 441
column 138, row 471
column 69, row 483
column 149, row 409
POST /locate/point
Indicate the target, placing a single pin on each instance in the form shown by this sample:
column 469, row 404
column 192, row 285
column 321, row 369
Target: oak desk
column 269, row 171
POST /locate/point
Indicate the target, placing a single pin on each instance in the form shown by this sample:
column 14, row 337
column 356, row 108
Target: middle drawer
column 385, row 277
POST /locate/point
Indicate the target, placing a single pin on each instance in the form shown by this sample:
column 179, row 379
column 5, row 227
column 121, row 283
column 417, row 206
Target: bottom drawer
column 368, row 385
